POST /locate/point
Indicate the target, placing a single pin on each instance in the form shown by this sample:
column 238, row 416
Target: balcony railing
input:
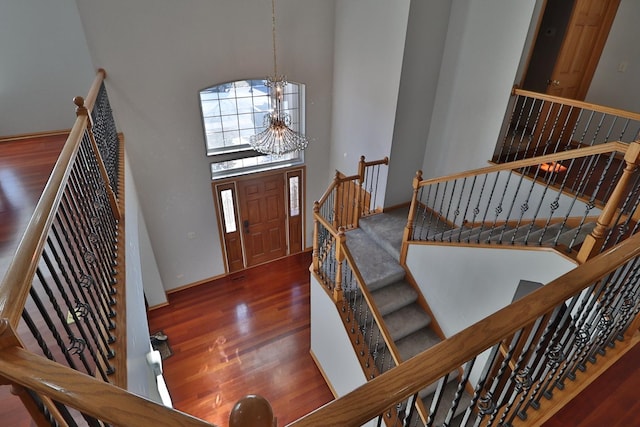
column 62, row 329
column 540, row 124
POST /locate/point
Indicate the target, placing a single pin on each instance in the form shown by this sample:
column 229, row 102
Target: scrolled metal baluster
column 50, row 323
column 456, row 212
column 487, row 206
column 66, row 267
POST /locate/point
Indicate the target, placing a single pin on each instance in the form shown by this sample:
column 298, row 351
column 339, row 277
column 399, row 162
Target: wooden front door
column 263, row 220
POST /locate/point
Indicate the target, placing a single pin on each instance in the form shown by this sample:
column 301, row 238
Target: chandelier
column 278, row 138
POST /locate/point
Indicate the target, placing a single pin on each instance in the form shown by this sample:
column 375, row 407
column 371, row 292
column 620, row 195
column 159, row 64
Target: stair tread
column 445, row 402
column 406, row 320
column 377, row 267
column 386, row 229
column 417, row 342
column 394, row 296
column 567, row 236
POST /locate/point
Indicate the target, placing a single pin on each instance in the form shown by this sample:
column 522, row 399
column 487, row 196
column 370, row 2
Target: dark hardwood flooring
column 245, row 334
column 249, row 333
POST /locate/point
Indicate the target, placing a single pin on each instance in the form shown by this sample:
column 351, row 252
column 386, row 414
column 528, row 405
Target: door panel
column 227, row 212
column 262, row 206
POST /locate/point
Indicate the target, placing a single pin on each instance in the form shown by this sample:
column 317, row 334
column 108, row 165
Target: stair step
column 416, row 343
column 377, row 267
column 491, row 234
column 457, row 234
column 518, row 234
column 545, row 236
column 393, row 297
column 386, row 229
column 406, row 321
column 567, row 236
column 445, row 402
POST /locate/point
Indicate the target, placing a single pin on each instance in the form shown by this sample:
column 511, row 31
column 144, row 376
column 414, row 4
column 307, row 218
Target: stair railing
column 66, row 358
column 542, row 124
column 516, row 358
column 334, row 267
column 552, row 200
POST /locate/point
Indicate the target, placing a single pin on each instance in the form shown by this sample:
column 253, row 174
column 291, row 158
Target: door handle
column 245, row 224
column 553, row 82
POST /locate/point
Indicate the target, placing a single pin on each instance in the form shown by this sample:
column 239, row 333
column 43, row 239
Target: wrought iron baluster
column 466, row 208
column 51, row 325
column 72, row 203
column 486, row 210
column 437, row 398
column 95, row 331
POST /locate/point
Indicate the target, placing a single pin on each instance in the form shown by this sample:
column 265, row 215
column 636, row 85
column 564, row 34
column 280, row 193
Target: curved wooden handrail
column 608, row 147
column 99, row 399
column 14, row 288
column 578, row 104
column 90, row 100
column 373, row 398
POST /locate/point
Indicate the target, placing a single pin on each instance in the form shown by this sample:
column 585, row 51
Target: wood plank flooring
column 248, row 333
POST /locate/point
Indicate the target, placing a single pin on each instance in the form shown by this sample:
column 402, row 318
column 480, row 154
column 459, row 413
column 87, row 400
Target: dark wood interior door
column 263, row 218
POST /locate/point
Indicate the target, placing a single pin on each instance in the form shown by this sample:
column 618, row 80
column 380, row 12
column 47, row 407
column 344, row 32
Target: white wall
column 331, row 345
column 45, row 63
column 424, row 45
column 464, row 284
column 369, row 43
column 140, row 378
column 158, row 55
column 482, row 50
column 609, row 86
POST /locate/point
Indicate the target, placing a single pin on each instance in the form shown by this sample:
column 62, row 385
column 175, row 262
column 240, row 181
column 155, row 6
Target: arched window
column 232, row 112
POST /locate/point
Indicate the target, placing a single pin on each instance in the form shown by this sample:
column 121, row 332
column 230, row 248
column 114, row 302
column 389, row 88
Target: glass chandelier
column 278, row 138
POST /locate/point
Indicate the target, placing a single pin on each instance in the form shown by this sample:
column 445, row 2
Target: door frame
column 232, row 183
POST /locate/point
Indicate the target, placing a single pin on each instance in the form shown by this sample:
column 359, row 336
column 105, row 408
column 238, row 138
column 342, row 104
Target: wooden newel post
column 252, row 411
column 360, row 196
column 593, row 242
column 316, row 244
column 81, row 110
column 340, row 242
column 336, row 199
column 408, row 230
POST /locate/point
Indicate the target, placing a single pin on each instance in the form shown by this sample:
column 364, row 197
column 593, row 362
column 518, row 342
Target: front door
column 263, row 218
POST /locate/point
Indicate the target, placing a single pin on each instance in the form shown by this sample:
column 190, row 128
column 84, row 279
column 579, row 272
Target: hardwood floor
column 248, row 333
column 25, row 166
column 611, row 400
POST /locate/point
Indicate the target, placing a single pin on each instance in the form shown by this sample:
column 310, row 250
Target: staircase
column 375, row 247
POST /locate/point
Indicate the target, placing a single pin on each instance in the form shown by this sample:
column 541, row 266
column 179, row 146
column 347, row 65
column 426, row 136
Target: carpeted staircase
column 376, row 246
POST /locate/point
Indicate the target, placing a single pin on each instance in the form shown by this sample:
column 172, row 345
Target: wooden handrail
column 578, row 104
column 326, row 224
column 101, row 400
column 374, row 397
column 90, row 100
column 533, row 161
column 14, row 288
column 384, row 161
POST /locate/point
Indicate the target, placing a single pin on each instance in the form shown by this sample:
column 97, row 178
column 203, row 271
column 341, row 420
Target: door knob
column 553, row 82
column 245, row 224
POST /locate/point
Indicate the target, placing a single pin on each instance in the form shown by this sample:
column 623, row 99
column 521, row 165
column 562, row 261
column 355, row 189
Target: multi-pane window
column 232, row 113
